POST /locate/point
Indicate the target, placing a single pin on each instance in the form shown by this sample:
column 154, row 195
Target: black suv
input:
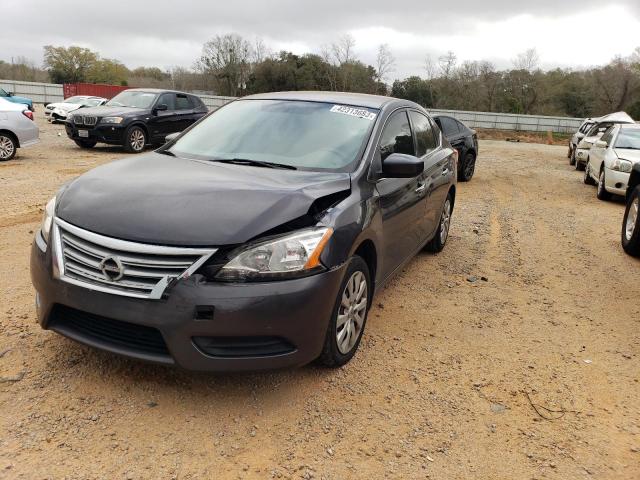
column 135, row 118
column 464, row 140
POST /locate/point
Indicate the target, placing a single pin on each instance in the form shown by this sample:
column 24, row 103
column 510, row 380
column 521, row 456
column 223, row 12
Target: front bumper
column 582, row 155
column 111, row 134
column 297, row 311
column 616, row 182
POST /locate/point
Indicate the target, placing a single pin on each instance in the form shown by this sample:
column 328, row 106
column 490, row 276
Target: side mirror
column 9, row 94
column 160, row 108
column 399, row 165
column 171, row 137
column 601, row 144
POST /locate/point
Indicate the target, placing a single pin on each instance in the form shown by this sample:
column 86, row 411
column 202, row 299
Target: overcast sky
column 567, row 33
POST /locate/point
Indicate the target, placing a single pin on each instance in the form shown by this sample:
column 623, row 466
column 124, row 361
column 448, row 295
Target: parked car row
column 608, row 150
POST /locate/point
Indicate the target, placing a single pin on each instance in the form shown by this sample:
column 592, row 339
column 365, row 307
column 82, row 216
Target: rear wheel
column 86, row 143
column 135, row 139
column 8, row 146
column 349, row 315
column 438, row 242
column 468, row 167
column 602, row 193
column 572, row 156
column 631, row 224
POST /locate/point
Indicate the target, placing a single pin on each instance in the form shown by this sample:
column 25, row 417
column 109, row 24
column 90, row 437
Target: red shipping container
column 94, row 89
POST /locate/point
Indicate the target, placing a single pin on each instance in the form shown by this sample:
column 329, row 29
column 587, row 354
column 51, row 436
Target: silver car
column 583, row 149
column 58, row 112
column 17, row 128
column 611, row 160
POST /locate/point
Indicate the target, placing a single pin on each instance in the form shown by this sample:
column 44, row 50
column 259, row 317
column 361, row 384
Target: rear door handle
column 445, row 171
column 421, row 188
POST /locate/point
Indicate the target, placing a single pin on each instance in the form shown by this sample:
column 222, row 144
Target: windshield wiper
column 254, row 163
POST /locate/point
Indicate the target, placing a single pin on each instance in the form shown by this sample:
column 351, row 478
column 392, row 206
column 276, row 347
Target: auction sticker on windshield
column 354, row 112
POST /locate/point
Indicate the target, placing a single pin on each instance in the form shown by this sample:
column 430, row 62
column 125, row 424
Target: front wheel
column 631, row 224
column 349, row 315
column 135, row 139
column 438, row 242
column 468, row 167
column 587, row 176
column 602, row 193
column 572, row 157
column 8, row 147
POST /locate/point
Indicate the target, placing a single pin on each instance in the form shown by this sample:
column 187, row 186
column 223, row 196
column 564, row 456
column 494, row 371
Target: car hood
column 628, row 154
column 67, row 107
column 165, row 200
column 108, row 111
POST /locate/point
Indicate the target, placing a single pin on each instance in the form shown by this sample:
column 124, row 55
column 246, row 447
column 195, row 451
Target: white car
column 57, row 112
column 594, row 134
column 579, row 135
column 17, row 128
column 611, row 160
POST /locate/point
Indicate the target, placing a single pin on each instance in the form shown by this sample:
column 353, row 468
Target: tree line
column 231, row 65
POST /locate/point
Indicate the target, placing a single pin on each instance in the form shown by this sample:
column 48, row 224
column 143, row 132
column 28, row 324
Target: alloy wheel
column 445, row 221
column 7, row 147
column 632, row 218
column 352, row 312
column 136, row 139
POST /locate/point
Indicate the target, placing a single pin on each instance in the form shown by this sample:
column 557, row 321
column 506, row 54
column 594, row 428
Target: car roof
column 7, row 106
column 619, row 117
column 345, row 98
column 155, row 90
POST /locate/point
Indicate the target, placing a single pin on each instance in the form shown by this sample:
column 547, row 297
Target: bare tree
column 343, row 49
column 227, row 58
column 430, row 67
column 447, row 64
column 260, row 50
column 528, row 60
column 385, row 62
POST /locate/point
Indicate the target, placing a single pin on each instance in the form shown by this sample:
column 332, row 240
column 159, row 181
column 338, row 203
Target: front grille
column 121, row 267
column 106, row 332
column 88, row 120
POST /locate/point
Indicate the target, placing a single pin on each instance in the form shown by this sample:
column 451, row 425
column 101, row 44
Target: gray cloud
column 171, row 33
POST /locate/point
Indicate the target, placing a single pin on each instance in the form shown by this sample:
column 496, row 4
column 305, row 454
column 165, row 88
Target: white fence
column 38, row 92
column 509, row 121
column 51, row 92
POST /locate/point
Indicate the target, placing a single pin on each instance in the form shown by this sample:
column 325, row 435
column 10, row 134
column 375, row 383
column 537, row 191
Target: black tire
column 601, row 192
column 8, row 146
column 437, row 243
column 569, row 153
column 135, row 139
column 331, row 355
column 631, row 232
column 467, row 167
column 587, row 178
column 86, row 143
column 572, row 157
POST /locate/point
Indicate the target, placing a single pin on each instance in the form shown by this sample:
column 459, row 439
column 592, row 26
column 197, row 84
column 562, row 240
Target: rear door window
column 449, row 126
column 396, row 136
column 425, row 137
column 183, row 102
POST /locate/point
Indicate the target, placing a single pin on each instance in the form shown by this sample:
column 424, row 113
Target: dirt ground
column 530, row 374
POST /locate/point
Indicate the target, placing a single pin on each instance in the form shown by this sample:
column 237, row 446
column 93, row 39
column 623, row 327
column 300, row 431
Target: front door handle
column 421, row 188
column 445, row 171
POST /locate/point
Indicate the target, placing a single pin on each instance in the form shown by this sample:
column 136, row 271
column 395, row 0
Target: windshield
column 3, row 93
column 628, row 138
column 134, row 99
column 74, row 100
column 305, row 135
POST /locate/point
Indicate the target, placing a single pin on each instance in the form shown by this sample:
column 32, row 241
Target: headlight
column 621, row 165
column 113, row 120
column 47, row 219
column 294, row 255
